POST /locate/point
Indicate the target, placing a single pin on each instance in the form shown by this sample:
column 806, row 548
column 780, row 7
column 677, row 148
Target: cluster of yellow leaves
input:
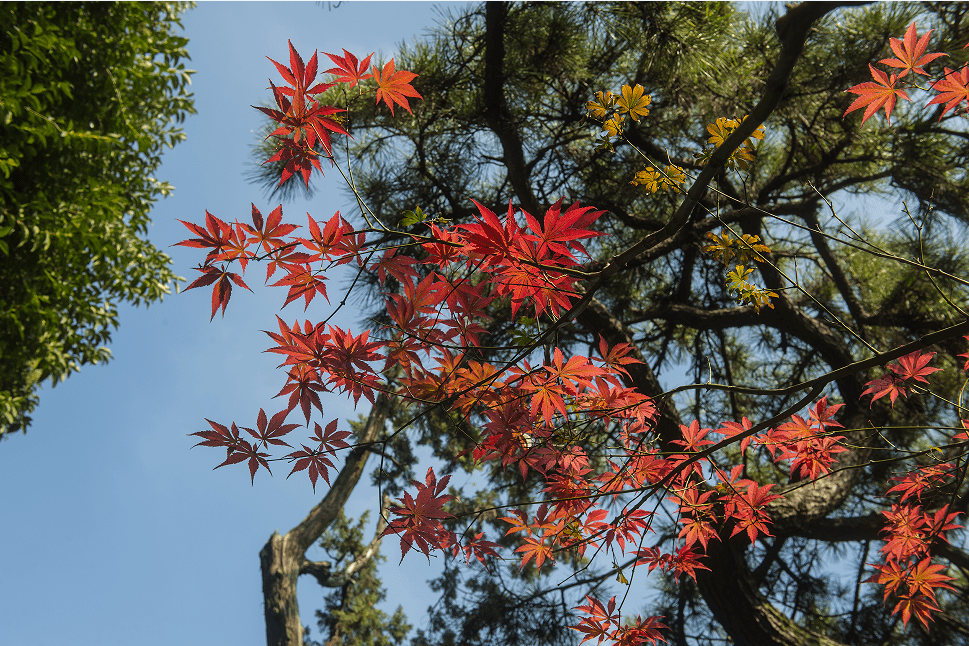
column 612, row 109
column 654, row 180
column 744, row 249
column 748, row 247
column 719, row 131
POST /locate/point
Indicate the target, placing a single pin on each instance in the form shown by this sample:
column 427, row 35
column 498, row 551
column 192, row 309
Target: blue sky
column 114, row 531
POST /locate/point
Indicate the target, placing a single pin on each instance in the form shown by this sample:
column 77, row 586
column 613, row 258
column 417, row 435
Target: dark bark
column 497, row 115
column 732, row 595
column 283, row 558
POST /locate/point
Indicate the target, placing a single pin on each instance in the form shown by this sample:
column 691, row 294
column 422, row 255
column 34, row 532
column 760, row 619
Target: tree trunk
column 283, row 558
column 732, row 596
column 280, row 570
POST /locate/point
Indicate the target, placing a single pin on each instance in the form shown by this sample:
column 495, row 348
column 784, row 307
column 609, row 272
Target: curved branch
column 283, row 558
column 322, row 571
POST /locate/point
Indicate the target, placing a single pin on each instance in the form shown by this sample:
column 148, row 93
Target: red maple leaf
column 477, row 548
column 222, row 290
column 686, row 561
column 216, row 235
column 398, row 266
column 821, row 414
column 560, row 231
column 303, row 117
column 219, row 436
column 348, row 69
column 271, row 234
column 921, row 606
column 749, row 509
column 306, row 120
column 645, row 630
column 394, row 87
column 303, row 387
column 299, row 159
column 331, row 439
column 535, row 548
column 925, row 578
column 269, row 433
column 911, row 53
column 246, row 451
column 298, row 75
column 347, row 361
column 953, row 89
column 693, row 437
column 913, row 366
column 302, row 281
column 921, row 479
column 419, row 523
column 887, row 385
column 313, row 459
column 733, row 429
column 601, row 622
column 881, row 93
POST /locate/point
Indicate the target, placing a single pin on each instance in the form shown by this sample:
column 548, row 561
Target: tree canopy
column 90, row 95
column 508, row 92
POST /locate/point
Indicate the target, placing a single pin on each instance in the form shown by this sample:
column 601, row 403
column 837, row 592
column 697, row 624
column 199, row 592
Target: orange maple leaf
column 394, row 87
column 875, row 95
column 953, row 89
column 911, row 53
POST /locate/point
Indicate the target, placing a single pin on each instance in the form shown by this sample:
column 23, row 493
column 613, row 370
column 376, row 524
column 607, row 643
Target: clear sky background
column 112, row 531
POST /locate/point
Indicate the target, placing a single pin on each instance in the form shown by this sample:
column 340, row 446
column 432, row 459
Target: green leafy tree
column 506, row 116
column 90, row 95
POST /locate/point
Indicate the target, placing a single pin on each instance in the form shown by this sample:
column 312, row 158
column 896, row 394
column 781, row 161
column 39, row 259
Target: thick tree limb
column 283, row 558
column 497, row 114
column 323, row 572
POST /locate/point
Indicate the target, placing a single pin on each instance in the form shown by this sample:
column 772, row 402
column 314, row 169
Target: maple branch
column 864, row 528
column 322, row 570
column 875, row 361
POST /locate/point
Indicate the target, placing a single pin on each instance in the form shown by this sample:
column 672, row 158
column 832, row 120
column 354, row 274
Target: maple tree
column 595, row 449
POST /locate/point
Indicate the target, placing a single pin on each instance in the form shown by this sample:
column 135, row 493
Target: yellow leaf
column 600, row 106
column 614, row 126
column 633, row 102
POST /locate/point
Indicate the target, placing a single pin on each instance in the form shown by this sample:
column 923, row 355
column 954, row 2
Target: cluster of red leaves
column 953, row 87
column 603, row 622
column 908, row 573
column 304, row 122
column 912, row 366
column 437, row 291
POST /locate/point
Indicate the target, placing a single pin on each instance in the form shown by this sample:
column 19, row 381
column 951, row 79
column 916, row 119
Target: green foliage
column 90, row 95
column 351, row 617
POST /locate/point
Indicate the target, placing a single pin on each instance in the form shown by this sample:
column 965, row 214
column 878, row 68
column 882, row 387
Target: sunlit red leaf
column 348, row 69
column 953, row 89
column 394, row 86
column 223, row 288
column 911, row 53
column 880, row 94
column 270, row 432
